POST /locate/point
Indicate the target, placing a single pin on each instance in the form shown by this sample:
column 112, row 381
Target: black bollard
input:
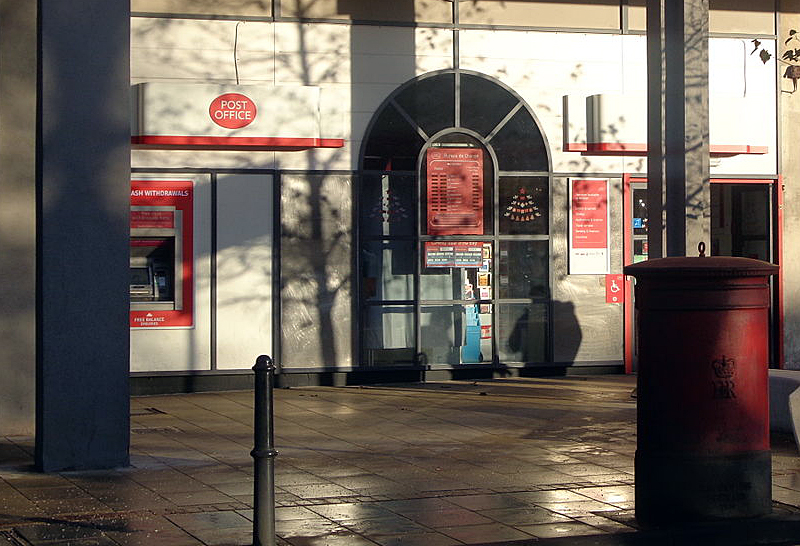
column 264, row 455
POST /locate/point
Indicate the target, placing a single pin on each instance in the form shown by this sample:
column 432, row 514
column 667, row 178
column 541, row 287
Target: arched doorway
column 454, row 227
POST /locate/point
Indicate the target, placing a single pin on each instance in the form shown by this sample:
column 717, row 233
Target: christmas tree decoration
column 522, row 207
column 390, row 209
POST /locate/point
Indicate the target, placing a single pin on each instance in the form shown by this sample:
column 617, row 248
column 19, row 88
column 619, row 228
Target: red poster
column 589, row 214
column 455, row 191
column 162, row 225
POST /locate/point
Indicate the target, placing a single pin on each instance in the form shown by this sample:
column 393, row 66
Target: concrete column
column 83, row 188
column 677, row 160
column 790, row 168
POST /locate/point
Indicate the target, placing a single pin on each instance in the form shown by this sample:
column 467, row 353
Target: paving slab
column 513, row 461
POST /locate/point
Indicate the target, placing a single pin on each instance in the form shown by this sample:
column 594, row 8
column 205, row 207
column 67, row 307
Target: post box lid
column 713, row 266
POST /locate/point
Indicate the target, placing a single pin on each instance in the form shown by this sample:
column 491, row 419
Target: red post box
column 703, row 448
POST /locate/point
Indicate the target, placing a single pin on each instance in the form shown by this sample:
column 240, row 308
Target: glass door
column 742, row 224
column 635, row 251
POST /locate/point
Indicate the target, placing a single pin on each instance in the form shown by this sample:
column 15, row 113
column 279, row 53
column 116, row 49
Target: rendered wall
column 430, row 11
column 357, row 67
column 542, row 67
column 790, row 168
column 244, row 262
column 17, row 217
column 354, row 67
column 726, row 16
column 555, row 13
column 241, row 8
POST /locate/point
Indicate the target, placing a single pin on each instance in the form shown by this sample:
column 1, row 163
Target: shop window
column 524, row 207
column 430, row 286
column 741, row 220
column 417, row 99
column 524, row 269
column 394, row 143
column 388, row 335
column 522, row 332
column 388, row 205
column 387, row 269
column 451, row 334
column 483, row 104
column 519, row 145
column 456, row 270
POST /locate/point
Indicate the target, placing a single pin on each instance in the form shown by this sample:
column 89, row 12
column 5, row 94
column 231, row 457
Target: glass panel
column 430, row 102
column 522, row 332
column 640, row 211
column 741, row 220
column 388, row 335
column 451, row 334
column 484, row 103
column 524, row 205
column 524, row 269
column 393, row 143
column 388, row 270
column 456, row 270
column 387, row 205
column 639, row 250
column 316, row 269
column 519, row 145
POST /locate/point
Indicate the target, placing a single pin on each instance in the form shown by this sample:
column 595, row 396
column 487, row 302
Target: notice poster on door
column 453, row 254
column 455, row 191
column 161, row 254
column 588, row 227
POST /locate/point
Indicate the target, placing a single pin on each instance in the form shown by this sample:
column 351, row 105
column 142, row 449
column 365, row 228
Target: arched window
column 454, row 238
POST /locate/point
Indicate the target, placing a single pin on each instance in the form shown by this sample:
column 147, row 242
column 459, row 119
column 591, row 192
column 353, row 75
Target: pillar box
column 703, row 448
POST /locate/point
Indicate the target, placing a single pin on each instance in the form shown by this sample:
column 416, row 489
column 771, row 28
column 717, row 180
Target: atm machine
column 155, row 259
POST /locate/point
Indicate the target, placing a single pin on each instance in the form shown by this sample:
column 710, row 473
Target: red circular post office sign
column 232, row 111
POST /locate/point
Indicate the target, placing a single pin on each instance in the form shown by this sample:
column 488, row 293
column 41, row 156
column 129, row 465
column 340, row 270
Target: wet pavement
column 521, row 461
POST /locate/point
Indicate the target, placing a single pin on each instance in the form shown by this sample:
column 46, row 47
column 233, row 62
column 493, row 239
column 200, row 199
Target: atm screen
column 140, row 276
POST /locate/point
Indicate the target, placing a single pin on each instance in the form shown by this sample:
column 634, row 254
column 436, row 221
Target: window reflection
column 524, row 207
column 387, row 268
column 416, row 101
column 387, row 205
column 388, row 335
column 524, row 269
column 519, row 145
column 522, row 332
column 484, row 104
column 454, row 334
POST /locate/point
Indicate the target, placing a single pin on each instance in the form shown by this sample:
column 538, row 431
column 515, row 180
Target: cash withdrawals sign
column 159, row 202
column 588, row 227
